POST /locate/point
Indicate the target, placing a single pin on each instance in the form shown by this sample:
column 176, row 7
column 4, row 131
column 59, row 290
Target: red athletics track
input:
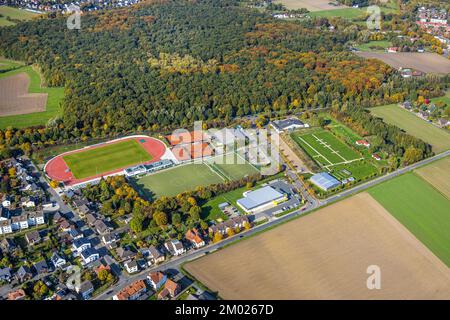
column 57, row 169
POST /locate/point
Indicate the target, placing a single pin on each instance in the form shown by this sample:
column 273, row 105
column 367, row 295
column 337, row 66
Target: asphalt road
column 312, row 205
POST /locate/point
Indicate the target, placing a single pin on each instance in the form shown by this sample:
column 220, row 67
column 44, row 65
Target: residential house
column 40, row 218
column 33, row 237
column 101, row 227
column 175, row 247
column 41, row 267
column 89, row 255
column 90, row 219
column 5, row 226
column 85, row 290
column 23, row 274
column 5, row 274
column 232, row 223
column 7, row 245
column 376, row 157
column 83, row 210
column 17, row 295
column 110, row 240
column 156, row 279
column 364, row 143
column 173, row 288
column 58, row 218
column 194, row 237
column 15, row 223
column 65, row 226
column 132, row 292
column 155, row 255
column 58, row 261
column 125, row 254
column 23, row 221
column 80, row 245
column 131, row 266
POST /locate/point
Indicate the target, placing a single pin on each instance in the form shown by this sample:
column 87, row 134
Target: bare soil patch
column 325, row 255
column 425, row 62
column 15, row 99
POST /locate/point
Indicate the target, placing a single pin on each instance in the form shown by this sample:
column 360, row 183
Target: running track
column 57, row 169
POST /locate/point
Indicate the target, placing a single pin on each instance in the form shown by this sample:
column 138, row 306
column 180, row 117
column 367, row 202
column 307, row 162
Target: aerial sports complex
column 110, row 158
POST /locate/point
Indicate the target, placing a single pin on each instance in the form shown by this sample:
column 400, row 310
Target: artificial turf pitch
column 420, row 208
column 106, row 158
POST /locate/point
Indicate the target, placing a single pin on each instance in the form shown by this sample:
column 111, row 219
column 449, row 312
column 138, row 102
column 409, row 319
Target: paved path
column 175, row 263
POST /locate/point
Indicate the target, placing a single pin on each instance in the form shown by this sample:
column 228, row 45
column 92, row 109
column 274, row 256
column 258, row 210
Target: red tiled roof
column 185, row 137
column 131, row 290
column 16, row 295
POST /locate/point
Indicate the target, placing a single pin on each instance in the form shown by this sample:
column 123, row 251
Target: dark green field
column 420, row 208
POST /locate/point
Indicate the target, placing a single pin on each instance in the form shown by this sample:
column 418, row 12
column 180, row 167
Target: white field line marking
column 328, row 146
column 315, row 150
column 224, row 177
column 345, row 162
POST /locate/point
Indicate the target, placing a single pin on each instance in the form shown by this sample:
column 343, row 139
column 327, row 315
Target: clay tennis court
column 58, row 170
column 15, row 98
column 426, row 62
column 325, row 255
column 311, row 5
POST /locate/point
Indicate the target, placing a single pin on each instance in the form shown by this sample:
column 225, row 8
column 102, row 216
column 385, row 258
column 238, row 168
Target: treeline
column 403, row 148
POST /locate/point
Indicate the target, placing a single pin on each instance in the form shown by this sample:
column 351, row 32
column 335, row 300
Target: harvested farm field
column 311, row 5
column 15, row 97
column 438, row 175
column 325, row 255
column 426, row 62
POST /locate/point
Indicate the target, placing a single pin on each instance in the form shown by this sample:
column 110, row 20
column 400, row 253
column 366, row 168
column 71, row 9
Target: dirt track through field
column 311, row 5
column 425, row 62
column 325, row 255
column 15, row 99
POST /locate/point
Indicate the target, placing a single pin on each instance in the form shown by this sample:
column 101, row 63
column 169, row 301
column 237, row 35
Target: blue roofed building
column 325, row 181
column 261, row 199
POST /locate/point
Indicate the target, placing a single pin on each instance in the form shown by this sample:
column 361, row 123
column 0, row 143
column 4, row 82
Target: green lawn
column 420, row 208
column 54, row 99
column 354, row 13
column 106, row 158
column 374, row 46
column 177, row 180
column 347, row 13
column 324, row 148
column 360, row 170
column 14, row 14
column 445, row 99
column 393, row 114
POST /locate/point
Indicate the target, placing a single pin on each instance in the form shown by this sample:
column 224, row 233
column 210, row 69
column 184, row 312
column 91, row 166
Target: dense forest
column 164, row 64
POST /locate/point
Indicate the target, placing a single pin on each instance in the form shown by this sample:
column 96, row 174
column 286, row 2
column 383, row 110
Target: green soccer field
column 106, row 158
column 232, row 167
column 324, row 148
column 420, row 208
column 177, row 180
column 393, row 114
